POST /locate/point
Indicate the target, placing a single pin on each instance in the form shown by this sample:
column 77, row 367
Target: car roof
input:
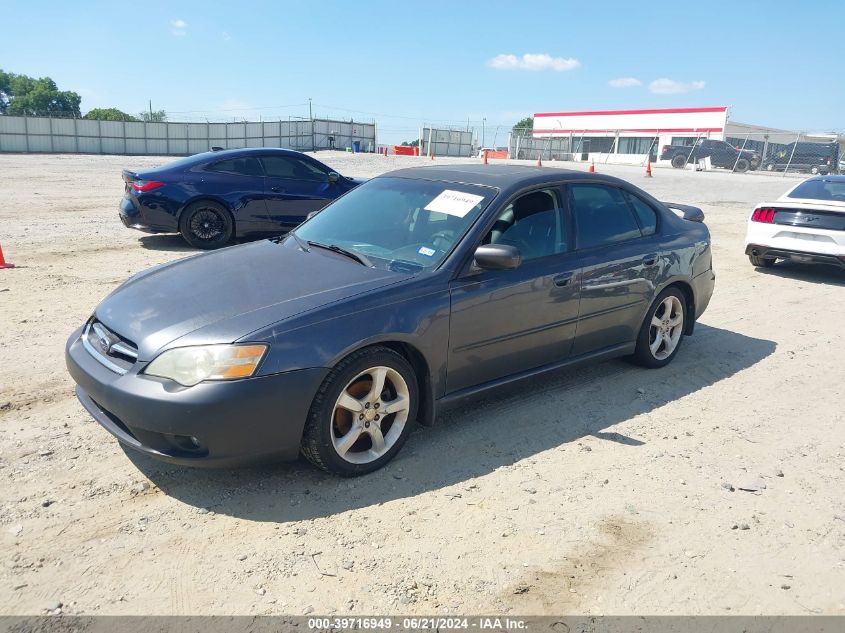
column 246, row 151
column 499, row 176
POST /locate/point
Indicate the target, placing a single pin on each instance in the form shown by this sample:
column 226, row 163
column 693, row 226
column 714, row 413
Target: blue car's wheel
column 362, row 413
column 206, row 225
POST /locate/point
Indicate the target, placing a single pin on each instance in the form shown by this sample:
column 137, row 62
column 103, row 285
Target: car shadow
column 476, row 436
column 173, row 242
column 813, row 273
column 166, row 242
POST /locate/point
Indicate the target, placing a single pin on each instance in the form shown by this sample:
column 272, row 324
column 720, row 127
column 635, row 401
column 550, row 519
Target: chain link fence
column 775, row 152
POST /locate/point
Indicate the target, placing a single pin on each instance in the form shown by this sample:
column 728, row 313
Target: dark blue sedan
column 212, row 197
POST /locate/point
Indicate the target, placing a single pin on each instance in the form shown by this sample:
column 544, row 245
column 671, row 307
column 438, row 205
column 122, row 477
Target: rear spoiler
column 685, row 211
column 129, row 176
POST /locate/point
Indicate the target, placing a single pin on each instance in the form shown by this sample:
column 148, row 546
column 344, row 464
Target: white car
column 806, row 224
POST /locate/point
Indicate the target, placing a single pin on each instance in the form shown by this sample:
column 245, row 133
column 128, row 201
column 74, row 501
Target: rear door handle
column 650, row 260
column 563, row 280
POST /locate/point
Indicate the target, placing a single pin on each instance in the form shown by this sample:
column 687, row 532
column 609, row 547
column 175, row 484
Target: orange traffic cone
column 3, row 262
column 592, row 168
column 648, row 169
column 431, row 156
column 484, row 162
column 539, row 162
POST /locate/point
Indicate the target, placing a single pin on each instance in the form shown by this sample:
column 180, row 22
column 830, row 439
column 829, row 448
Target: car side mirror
column 333, row 177
column 497, row 257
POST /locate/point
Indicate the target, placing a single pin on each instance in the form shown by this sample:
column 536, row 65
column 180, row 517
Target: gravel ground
column 712, row 486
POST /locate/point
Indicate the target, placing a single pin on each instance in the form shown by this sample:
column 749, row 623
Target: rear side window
column 293, row 168
column 602, row 216
column 248, row 166
column 645, row 214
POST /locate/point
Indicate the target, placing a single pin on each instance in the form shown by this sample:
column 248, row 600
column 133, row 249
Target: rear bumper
column 800, row 257
column 136, row 215
column 233, row 422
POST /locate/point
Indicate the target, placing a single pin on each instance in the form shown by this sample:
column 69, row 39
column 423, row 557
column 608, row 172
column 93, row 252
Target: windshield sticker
column 425, row 250
column 455, row 203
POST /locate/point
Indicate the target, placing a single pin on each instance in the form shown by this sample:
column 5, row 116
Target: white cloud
column 671, row 87
column 179, row 27
column 226, row 36
column 533, row 61
column 624, row 82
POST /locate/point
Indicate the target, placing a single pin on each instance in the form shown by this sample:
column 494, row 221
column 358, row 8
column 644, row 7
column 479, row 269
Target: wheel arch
column 422, row 371
column 689, row 301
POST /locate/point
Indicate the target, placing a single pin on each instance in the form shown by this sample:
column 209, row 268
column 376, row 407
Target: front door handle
column 563, row 280
column 277, row 190
column 650, row 260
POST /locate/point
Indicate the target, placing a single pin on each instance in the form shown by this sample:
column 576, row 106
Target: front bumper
column 231, row 422
column 799, row 257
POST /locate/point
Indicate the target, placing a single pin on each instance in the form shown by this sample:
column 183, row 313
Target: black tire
column 679, row 161
column 815, row 170
column 643, row 355
column 206, row 225
column 761, row 262
column 317, row 445
column 742, row 166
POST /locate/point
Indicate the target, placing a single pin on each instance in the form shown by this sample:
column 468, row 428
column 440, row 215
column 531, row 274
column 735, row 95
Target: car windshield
column 399, row 223
column 820, row 189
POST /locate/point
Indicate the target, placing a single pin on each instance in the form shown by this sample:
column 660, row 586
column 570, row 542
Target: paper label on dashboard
column 455, row 203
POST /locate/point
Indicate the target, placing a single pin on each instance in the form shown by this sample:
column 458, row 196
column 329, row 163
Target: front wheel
column 362, row 413
column 662, row 330
column 206, row 225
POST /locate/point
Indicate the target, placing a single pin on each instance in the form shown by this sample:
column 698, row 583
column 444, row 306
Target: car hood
column 227, row 294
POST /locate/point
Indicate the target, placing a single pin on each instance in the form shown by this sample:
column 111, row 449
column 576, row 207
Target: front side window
column 293, row 168
column 602, row 216
column 533, row 224
column 399, row 223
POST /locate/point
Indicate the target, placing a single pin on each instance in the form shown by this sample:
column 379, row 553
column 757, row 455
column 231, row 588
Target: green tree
column 524, row 125
column 156, row 116
column 20, row 94
column 413, row 143
column 109, row 114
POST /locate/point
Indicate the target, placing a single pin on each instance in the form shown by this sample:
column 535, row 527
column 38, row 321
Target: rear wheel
column 206, row 225
column 679, row 161
column 662, row 330
column 742, row 165
column 362, row 414
column 814, row 169
column 761, row 262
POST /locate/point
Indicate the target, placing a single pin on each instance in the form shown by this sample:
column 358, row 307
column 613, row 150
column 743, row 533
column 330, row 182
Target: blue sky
column 403, row 63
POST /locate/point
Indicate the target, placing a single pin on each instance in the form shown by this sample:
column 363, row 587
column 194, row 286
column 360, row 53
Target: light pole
column 483, row 121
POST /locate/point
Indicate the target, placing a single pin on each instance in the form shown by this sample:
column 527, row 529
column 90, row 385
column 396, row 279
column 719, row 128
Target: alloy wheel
column 667, row 327
column 369, row 415
column 207, row 225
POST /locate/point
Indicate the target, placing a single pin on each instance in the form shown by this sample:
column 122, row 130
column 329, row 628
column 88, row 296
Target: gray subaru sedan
column 419, row 287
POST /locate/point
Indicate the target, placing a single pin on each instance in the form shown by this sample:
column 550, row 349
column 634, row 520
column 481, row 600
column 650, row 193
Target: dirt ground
column 713, row 486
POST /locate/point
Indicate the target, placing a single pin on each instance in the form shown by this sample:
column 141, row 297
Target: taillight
column 763, row 214
column 146, row 185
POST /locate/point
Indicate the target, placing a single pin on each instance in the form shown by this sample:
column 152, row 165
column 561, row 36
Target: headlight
column 191, row 365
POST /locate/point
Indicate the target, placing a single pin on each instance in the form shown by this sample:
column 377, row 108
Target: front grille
column 108, row 347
